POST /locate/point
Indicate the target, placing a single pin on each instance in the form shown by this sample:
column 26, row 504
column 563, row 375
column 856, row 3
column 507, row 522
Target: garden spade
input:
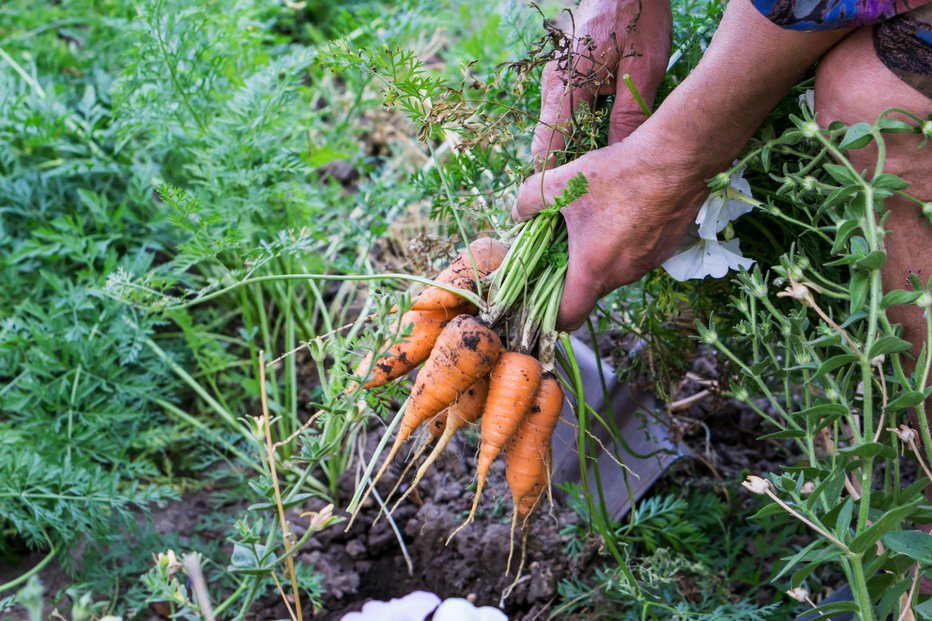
column 649, row 449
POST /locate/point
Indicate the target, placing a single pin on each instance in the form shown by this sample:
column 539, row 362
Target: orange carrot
column 488, row 254
column 423, row 328
column 512, row 389
column 466, row 351
column 466, row 411
column 526, row 456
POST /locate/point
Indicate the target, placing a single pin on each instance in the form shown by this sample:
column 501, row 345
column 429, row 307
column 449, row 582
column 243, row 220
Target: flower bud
column 799, row 594
column 756, row 485
column 168, row 562
column 808, row 488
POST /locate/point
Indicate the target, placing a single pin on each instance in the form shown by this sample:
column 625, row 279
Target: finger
column 646, row 72
column 581, row 290
column 557, row 102
column 626, row 115
column 538, row 191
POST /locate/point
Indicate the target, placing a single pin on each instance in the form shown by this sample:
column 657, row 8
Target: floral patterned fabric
column 902, row 33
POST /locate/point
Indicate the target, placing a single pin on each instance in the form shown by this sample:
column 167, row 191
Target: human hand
column 623, row 36
column 640, row 203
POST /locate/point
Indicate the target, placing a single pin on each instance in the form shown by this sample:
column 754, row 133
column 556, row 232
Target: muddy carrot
column 422, row 328
column 487, row 253
column 466, row 351
column 512, row 389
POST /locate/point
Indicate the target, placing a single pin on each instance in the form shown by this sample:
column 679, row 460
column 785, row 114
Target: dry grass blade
column 286, row 535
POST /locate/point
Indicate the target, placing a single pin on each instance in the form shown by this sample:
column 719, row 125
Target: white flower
column 458, row 609
column 415, row 606
column 705, row 257
column 799, row 594
column 807, row 101
column 702, row 254
column 718, row 210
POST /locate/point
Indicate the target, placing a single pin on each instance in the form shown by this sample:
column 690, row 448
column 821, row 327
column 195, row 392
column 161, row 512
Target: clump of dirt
column 367, row 562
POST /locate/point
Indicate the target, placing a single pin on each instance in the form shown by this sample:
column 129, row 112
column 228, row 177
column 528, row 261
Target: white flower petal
column 709, row 215
column 415, row 606
column 807, row 100
column 685, row 265
column 487, row 613
column 706, row 258
column 458, row 609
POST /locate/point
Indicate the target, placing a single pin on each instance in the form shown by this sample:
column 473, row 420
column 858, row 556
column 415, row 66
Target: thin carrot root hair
column 511, row 587
column 414, row 459
column 511, row 539
column 466, row 411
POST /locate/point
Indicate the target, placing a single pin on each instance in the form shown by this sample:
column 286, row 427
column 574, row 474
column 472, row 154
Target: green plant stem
column 861, row 594
column 572, row 369
column 197, row 388
column 636, row 94
column 35, row 569
column 468, row 295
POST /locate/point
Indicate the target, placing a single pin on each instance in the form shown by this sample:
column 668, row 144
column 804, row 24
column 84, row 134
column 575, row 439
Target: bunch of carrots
column 487, row 358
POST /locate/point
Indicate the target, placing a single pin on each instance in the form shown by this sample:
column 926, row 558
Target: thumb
column 539, row 190
column 581, row 290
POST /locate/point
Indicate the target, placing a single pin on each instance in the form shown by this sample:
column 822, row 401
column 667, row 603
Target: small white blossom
column 415, row 606
column 808, row 488
column 718, row 210
column 704, row 257
column 703, row 254
column 799, row 594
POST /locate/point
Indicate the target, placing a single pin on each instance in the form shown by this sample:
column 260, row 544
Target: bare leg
column 853, row 85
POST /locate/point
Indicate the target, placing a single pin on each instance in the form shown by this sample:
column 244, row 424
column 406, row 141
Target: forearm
column 750, row 65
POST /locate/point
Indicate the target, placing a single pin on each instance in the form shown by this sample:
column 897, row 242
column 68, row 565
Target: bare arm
column 645, row 190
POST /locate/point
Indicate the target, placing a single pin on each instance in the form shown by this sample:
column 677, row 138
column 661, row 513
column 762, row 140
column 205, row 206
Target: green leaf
column 841, row 174
column 843, row 523
column 906, row 400
column 899, row 296
column 915, row 544
column 868, row 449
column 858, row 289
column 893, row 126
column 819, row 411
column 924, row 610
column 886, row 523
column 792, row 561
column 837, row 197
column 845, row 229
column 833, row 363
column 784, row 434
column 873, row 261
column 889, row 182
column 858, row 136
column 254, row 559
column 888, row 345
